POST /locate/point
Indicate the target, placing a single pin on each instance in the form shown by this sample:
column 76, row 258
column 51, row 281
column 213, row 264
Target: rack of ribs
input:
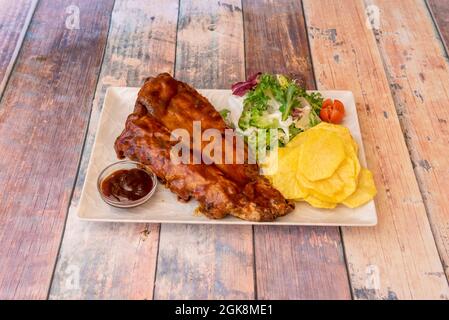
column 165, row 104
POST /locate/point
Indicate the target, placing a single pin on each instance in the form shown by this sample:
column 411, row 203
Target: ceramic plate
column 163, row 207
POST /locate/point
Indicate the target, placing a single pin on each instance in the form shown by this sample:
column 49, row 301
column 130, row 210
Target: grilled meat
column 165, row 104
column 177, row 105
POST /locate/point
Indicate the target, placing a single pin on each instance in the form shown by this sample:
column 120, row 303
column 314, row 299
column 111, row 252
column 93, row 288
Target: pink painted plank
column 206, row 261
column 43, row 118
column 15, row 16
column 112, row 260
column 398, row 258
column 291, row 262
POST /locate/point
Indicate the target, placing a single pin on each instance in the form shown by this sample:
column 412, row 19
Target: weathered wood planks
column 440, row 13
column 205, row 261
column 276, row 38
column 15, row 16
column 398, row 258
column 291, row 262
column 108, row 260
column 43, row 117
column 418, row 73
column 51, row 90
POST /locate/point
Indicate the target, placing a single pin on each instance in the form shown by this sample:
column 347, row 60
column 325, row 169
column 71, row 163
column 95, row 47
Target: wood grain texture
column 207, row 261
column 291, row 262
column 43, row 118
column 440, row 13
column 15, row 16
column 398, row 258
column 276, row 38
column 210, row 44
column 111, row 260
column 418, row 72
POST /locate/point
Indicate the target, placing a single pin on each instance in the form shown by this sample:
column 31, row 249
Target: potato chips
column 320, row 166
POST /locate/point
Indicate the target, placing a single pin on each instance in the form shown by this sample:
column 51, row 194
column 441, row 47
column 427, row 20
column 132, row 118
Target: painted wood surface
column 397, row 259
column 290, row 262
column 439, row 10
column 46, row 107
column 112, row 260
column 43, row 118
column 206, row 261
column 15, row 16
column 419, row 80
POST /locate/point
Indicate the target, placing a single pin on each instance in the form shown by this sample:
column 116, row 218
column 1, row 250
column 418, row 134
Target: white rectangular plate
column 164, row 207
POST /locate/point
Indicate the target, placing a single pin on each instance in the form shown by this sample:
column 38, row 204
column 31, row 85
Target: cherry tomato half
column 332, row 111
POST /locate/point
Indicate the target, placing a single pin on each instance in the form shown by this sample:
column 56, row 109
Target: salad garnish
column 240, row 88
column 274, row 101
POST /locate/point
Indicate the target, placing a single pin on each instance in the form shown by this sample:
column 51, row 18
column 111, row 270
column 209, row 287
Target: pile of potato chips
column 320, row 166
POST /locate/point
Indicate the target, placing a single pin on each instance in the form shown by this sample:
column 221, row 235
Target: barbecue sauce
column 127, row 185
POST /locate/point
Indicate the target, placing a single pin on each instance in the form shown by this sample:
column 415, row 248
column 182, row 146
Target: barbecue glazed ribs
column 165, row 104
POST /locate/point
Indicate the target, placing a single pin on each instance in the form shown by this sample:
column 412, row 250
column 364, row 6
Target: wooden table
column 54, row 72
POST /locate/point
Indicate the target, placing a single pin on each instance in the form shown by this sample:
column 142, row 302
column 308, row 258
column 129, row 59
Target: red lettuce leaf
column 240, row 88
